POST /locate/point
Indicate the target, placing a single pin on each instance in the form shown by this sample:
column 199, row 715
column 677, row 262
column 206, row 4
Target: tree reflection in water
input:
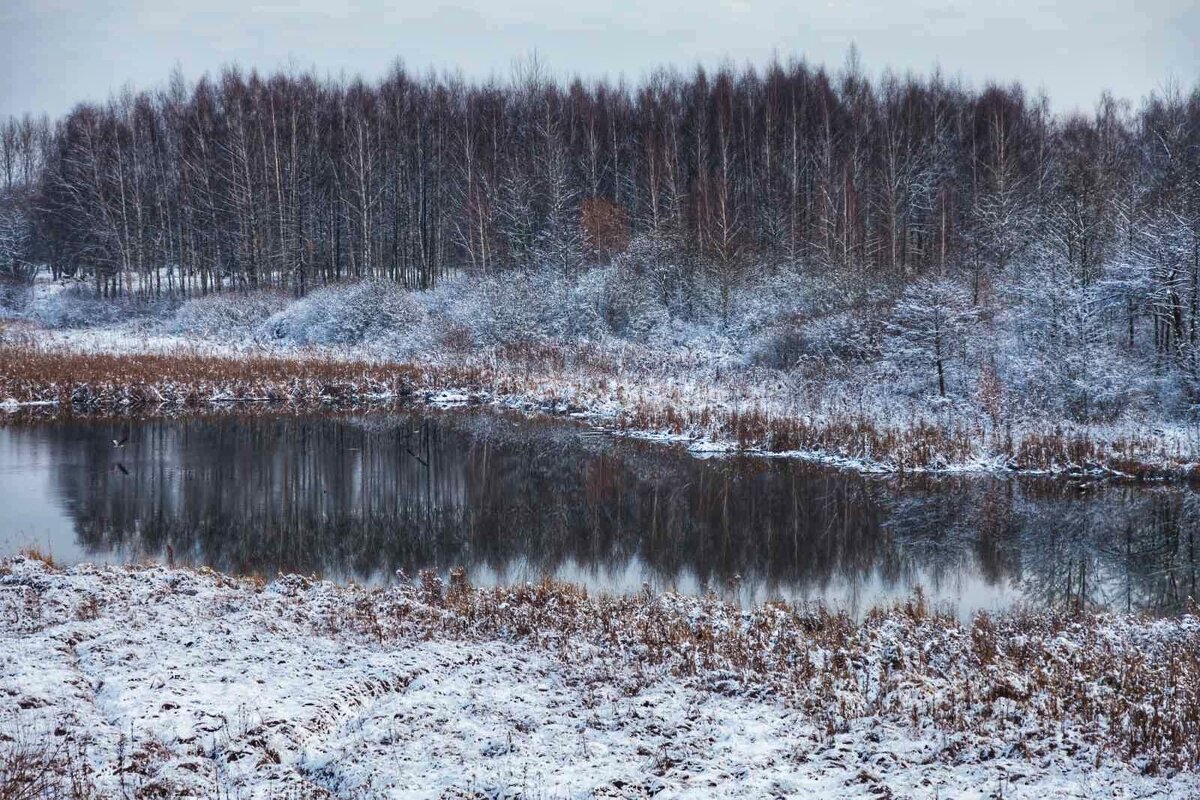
column 513, row 499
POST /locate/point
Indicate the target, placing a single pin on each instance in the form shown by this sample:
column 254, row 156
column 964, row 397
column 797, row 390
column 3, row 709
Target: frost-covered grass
column 32, row 374
column 641, row 347
column 627, row 390
column 152, row 681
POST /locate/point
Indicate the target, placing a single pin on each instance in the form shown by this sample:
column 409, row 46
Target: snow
column 448, row 399
column 627, row 401
column 539, row 346
column 180, row 681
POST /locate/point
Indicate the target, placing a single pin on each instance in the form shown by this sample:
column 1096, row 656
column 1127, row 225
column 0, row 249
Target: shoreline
column 182, row 680
column 65, row 375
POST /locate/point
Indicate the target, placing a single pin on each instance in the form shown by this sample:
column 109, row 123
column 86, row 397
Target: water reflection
column 512, row 499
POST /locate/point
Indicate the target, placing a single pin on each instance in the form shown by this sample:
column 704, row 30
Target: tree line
column 290, row 180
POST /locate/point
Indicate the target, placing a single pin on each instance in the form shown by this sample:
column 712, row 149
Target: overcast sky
column 55, row 53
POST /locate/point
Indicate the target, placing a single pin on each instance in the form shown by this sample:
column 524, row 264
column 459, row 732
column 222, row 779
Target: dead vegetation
column 37, row 554
column 45, row 770
column 920, row 445
column 192, row 380
column 556, row 379
column 1127, row 685
column 59, row 770
column 1030, row 685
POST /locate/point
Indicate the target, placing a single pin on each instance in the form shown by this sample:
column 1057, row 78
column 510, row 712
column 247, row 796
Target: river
column 359, row 497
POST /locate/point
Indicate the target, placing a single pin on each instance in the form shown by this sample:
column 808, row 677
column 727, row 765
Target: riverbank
column 152, row 681
column 624, row 393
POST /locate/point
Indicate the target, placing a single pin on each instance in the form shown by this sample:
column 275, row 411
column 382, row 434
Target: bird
column 121, row 442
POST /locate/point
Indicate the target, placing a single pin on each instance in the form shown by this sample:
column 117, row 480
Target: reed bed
column 30, row 375
column 631, row 395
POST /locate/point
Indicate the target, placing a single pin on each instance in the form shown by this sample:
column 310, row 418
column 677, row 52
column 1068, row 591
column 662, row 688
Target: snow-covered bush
column 779, row 346
column 765, row 299
column 847, row 336
column 794, row 339
column 14, row 297
column 520, row 307
column 350, row 314
column 631, row 305
column 585, row 305
column 232, row 316
column 79, row 306
column 1060, row 353
column 668, row 276
column 517, row 306
column 493, row 311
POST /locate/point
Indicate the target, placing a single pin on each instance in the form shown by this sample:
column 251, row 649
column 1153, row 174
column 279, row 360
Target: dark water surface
column 357, row 498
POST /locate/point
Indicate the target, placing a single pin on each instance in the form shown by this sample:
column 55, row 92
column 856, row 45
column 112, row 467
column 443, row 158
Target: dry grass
column 918, row 445
column 45, row 771
column 557, row 379
column 1030, row 684
column 1131, row 456
column 1023, row 677
column 100, row 380
column 37, row 554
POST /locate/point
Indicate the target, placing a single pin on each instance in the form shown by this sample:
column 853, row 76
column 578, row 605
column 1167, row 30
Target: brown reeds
column 101, row 380
column 557, row 379
column 1126, row 684
column 1032, row 681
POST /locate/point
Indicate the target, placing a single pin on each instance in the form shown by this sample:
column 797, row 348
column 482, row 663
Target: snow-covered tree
column 929, row 328
column 15, row 241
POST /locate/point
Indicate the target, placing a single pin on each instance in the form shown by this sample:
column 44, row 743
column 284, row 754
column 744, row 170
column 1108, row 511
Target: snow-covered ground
column 152, row 682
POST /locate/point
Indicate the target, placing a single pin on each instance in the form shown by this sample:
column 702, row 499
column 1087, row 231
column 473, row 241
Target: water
column 511, row 499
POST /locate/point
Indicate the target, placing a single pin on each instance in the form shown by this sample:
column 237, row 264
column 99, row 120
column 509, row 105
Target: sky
column 55, row 53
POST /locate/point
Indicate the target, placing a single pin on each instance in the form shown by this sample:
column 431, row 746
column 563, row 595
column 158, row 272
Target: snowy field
column 151, row 682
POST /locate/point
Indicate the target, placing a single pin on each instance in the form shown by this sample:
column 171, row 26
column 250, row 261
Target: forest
column 943, row 242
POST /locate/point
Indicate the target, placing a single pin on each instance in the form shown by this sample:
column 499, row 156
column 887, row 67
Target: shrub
column 585, row 306
column 780, row 346
column 14, row 297
column 847, row 336
column 631, row 305
column 77, row 305
column 514, row 308
column 227, row 316
column 668, row 276
column 349, row 314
